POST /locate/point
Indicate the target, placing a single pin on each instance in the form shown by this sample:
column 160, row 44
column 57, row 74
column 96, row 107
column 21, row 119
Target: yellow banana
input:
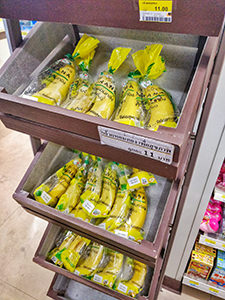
column 119, row 211
column 109, row 188
column 92, row 192
column 55, row 92
column 79, row 213
column 72, row 254
column 52, row 189
column 136, row 220
column 109, row 274
column 130, row 110
column 160, row 106
column 89, row 266
column 71, row 197
column 136, row 283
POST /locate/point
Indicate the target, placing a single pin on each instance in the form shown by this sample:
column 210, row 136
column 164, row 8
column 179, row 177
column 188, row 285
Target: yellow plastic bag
column 105, row 98
column 79, row 213
column 133, row 286
column 55, row 186
column 109, row 188
column 85, row 46
column 140, row 179
column 71, row 197
column 109, row 274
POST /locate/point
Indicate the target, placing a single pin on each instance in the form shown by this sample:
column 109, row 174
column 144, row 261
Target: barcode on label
column 88, row 206
column 121, row 233
column 156, row 19
column 46, row 197
column 122, row 288
column 54, row 259
column 97, row 278
column 133, row 181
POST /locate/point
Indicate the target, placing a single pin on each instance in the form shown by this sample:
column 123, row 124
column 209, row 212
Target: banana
column 136, row 283
column 79, row 213
column 89, row 266
column 105, row 100
column 160, row 106
column 52, row 189
column 93, row 187
column 109, row 274
column 109, row 188
column 130, row 110
column 55, row 92
column 136, row 220
column 72, row 254
column 119, row 212
column 71, row 197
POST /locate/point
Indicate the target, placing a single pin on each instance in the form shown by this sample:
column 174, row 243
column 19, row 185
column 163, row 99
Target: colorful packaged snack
column 218, row 275
column 200, row 265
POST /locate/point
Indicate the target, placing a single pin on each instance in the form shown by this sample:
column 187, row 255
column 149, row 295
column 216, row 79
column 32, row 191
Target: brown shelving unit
column 107, row 19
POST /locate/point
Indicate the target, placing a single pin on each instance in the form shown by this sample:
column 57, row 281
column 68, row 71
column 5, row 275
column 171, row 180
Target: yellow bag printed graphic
column 105, row 89
column 71, row 197
column 140, row 179
column 132, row 228
column 109, row 188
column 109, row 274
column 93, row 187
column 89, row 266
column 55, row 186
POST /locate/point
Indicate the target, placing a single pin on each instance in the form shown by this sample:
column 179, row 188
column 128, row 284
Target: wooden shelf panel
column 194, row 17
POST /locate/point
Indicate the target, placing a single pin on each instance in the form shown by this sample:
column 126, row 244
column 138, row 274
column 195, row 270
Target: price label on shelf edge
column 137, row 144
column 155, row 11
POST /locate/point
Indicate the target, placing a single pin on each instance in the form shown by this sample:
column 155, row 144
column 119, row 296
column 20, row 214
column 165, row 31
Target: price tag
column 192, row 282
column 137, row 144
column 88, row 206
column 214, row 291
column 155, row 11
column 97, row 278
column 208, row 241
column 46, row 197
column 121, row 287
column 133, row 181
column 76, row 272
column 121, row 233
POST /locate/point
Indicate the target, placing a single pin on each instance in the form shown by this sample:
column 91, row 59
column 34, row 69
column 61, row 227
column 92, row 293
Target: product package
column 218, row 275
column 52, row 84
column 200, row 265
column 134, row 283
column 105, row 88
column 50, row 191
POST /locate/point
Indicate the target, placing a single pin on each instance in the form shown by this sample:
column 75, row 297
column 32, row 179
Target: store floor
column 20, row 232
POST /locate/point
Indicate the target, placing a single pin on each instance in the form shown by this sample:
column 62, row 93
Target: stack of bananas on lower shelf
column 107, row 194
column 98, row 263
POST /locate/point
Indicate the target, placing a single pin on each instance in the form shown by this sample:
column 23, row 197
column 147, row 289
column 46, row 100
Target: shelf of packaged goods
column 194, row 18
column 212, row 240
column 219, row 194
column 189, row 66
column 160, row 210
column 204, row 286
column 47, row 243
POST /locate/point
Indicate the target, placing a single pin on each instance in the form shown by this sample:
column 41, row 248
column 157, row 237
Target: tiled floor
column 20, row 232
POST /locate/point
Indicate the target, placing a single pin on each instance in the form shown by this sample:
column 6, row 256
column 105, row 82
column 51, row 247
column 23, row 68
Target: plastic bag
column 71, row 197
column 108, row 275
column 93, row 187
column 133, row 286
column 132, row 228
column 55, row 186
column 105, row 98
column 109, row 189
column 140, row 179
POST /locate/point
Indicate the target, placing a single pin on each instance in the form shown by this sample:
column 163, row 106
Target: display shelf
column 193, row 18
column 219, row 194
column 47, row 243
column 188, row 72
column 212, row 240
column 163, row 199
column 204, row 286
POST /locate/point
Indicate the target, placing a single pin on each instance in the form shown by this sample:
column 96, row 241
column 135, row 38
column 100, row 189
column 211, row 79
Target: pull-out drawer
column 66, row 286
column 161, row 202
column 189, row 61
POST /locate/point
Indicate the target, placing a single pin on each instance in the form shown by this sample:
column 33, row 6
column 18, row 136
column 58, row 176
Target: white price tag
column 97, row 278
column 121, row 233
column 102, row 225
column 54, row 259
column 46, row 197
column 121, row 287
column 137, row 144
column 155, row 11
column 76, row 272
column 88, row 206
column 133, row 181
